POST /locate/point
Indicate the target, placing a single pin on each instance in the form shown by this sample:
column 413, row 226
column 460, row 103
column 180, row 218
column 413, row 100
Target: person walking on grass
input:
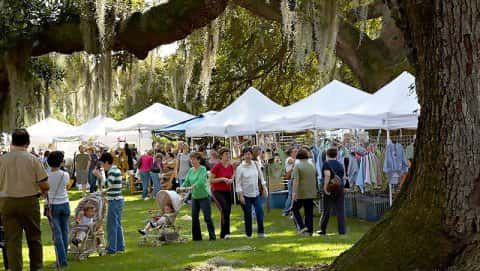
column 289, row 164
column 183, row 160
column 58, row 201
column 221, row 179
column 92, row 180
column 251, row 187
column 334, row 198
column 145, row 164
column 115, row 200
column 304, row 191
column 22, row 180
column 82, row 164
column 197, row 180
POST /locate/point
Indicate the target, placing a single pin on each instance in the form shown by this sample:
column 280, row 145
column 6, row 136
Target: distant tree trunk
column 46, row 100
column 435, row 222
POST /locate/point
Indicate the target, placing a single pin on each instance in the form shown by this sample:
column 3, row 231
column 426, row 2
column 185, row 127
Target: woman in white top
column 289, row 164
column 58, row 203
column 251, row 186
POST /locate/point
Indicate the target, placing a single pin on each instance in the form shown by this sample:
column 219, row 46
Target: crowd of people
column 208, row 179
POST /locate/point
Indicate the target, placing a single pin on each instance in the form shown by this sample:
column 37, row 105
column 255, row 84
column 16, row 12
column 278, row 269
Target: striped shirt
column 114, row 184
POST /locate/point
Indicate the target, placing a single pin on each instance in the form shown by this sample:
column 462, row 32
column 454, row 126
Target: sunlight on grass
column 282, row 247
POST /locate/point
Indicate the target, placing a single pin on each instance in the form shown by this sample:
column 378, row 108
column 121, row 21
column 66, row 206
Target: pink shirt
column 146, row 163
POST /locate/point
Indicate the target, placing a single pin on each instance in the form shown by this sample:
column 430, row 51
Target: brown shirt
column 20, row 173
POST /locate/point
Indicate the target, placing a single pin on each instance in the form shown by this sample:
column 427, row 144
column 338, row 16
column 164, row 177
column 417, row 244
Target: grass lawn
column 282, row 247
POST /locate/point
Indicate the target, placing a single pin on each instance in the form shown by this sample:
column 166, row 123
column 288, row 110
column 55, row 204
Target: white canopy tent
column 394, row 106
column 96, row 127
column 156, row 116
column 239, row 118
column 44, row 132
column 333, row 99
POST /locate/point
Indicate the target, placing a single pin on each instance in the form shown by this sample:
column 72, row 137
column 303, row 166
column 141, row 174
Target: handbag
column 335, row 182
column 260, row 185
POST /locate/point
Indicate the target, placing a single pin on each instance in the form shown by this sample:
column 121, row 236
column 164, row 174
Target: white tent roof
column 393, row 106
column 50, row 127
column 95, row 127
column 44, row 132
column 333, row 99
column 155, row 116
column 239, row 118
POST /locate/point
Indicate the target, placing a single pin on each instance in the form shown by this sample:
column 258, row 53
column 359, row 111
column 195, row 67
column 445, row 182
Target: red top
column 220, row 171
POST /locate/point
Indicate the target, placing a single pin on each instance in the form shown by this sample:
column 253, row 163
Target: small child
column 158, row 221
column 85, row 222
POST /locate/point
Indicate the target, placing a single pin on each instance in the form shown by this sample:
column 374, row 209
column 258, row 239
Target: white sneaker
column 303, row 230
column 249, row 237
column 226, row 237
column 145, row 199
column 262, row 235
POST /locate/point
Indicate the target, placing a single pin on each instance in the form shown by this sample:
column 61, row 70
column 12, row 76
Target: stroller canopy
column 167, row 196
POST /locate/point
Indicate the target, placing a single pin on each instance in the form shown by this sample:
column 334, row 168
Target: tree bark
column 435, row 222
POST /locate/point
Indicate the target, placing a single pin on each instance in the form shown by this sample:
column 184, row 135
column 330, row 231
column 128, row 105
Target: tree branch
column 137, row 34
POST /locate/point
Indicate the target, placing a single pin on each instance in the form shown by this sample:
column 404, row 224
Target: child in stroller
column 162, row 229
column 84, row 224
column 87, row 234
column 160, row 220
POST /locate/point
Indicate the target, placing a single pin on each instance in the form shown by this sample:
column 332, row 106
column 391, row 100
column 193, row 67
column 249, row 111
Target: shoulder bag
column 335, row 182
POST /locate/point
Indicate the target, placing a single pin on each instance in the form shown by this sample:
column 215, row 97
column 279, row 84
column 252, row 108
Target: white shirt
column 58, row 180
column 289, row 166
column 246, row 177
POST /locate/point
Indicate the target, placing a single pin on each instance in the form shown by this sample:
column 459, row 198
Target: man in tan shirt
column 22, row 180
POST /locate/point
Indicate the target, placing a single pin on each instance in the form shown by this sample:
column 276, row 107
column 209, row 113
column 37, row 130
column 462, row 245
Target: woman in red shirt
column 221, row 179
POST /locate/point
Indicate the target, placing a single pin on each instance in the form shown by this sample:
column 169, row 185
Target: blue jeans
column 156, row 183
column 145, row 177
column 114, row 226
column 92, row 181
column 247, row 213
column 288, row 202
column 60, row 217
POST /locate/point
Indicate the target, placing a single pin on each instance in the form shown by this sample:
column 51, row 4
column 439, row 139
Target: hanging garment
column 353, row 169
column 409, row 151
column 361, row 176
column 395, row 163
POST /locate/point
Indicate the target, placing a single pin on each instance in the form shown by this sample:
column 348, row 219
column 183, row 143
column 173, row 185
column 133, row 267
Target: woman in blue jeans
column 251, row 187
column 155, row 173
column 58, row 203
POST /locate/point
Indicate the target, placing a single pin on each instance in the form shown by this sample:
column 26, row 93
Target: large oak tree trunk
column 435, row 222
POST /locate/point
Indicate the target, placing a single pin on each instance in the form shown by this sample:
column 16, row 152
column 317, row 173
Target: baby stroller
column 95, row 236
column 166, row 233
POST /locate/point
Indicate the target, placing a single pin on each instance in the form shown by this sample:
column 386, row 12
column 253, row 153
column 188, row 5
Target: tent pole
column 234, row 180
column 390, row 193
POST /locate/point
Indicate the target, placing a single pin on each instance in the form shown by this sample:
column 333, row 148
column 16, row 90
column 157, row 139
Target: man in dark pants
column 330, row 169
column 22, row 180
column 2, row 245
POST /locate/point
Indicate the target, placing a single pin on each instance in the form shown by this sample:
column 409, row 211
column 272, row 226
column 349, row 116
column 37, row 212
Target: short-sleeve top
column 220, row 171
column 335, row 167
column 20, row 174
